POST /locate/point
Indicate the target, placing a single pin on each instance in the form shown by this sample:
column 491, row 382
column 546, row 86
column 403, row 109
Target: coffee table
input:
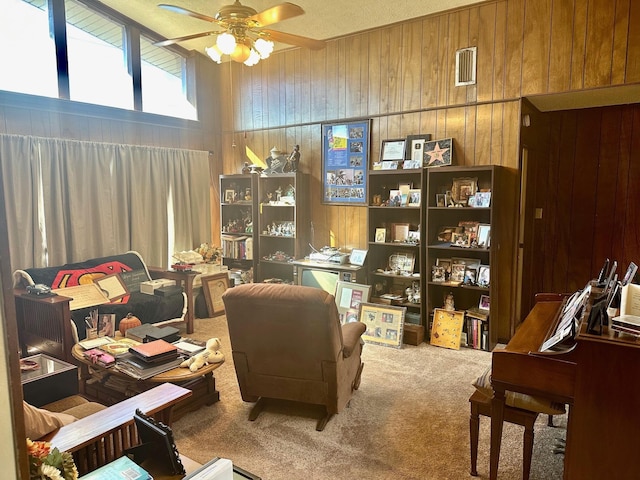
column 110, row 386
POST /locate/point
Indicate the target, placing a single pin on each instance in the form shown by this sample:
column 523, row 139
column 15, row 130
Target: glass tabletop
column 41, row 365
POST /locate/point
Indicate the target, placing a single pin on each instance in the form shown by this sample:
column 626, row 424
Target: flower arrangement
column 210, row 253
column 47, row 464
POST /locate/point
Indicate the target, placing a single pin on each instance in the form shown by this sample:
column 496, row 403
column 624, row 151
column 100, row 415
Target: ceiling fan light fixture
column 241, row 53
column 226, row 42
column 214, row 53
column 263, row 48
column 254, row 57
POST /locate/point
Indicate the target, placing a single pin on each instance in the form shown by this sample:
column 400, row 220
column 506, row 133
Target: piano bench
column 481, row 405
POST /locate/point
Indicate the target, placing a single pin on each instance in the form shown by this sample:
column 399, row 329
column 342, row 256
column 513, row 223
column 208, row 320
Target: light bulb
column 215, row 53
column 264, row 47
column 226, row 43
column 254, row 58
column 240, row 53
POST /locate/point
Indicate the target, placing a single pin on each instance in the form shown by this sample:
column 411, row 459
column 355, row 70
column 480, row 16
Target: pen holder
column 92, row 333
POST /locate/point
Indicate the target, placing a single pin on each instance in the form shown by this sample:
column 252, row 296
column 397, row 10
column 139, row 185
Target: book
column 141, row 370
column 95, row 342
column 99, row 357
column 216, row 469
column 119, row 347
column 147, row 331
column 121, row 468
column 188, row 347
column 154, row 351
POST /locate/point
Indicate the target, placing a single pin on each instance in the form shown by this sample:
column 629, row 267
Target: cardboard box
column 413, row 334
column 149, row 286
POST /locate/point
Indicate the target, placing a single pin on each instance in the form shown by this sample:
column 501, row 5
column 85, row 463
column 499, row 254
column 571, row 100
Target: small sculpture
column 294, row 160
column 211, row 354
column 246, row 168
column 448, row 303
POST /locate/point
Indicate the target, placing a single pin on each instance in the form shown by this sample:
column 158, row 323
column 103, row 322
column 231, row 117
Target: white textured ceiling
column 323, row 19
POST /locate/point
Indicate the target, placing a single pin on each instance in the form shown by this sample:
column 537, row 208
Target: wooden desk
column 94, row 383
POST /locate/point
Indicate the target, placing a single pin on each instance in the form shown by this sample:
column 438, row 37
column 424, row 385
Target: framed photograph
column 349, row 296
column 484, row 303
column 441, row 200
column 438, row 274
column 415, row 147
column 106, row 326
column 229, row 196
column 414, row 197
column 156, row 440
column 402, row 263
column 484, row 235
column 112, row 286
column 447, row 328
column 470, row 262
column 463, row 188
column 399, row 232
column 404, row 193
column 482, row 200
column 446, row 233
column 438, row 153
column 484, row 276
column 213, row 287
column 470, row 276
column 389, row 165
column 462, row 239
column 395, row 198
column 392, row 150
column 384, row 324
column 345, row 158
column 412, row 164
column 381, row 235
column 357, row 257
column 457, row 272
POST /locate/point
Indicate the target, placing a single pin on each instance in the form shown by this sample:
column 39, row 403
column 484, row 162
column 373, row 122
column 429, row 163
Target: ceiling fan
column 242, row 35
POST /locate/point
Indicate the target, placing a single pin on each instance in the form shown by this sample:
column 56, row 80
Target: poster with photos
column 345, row 157
column 384, row 324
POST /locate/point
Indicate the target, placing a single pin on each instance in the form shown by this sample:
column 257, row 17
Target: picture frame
column 106, row 326
column 399, row 232
column 346, row 149
column 413, row 237
column 213, row 286
column 389, row 165
column 484, row 303
column 395, row 198
column 438, row 274
column 412, row 164
column 112, row 286
column 462, row 188
column 392, row 150
column 461, row 239
column 381, row 235
column 348, row 297
column 414, row 197
column 229, row 196
column 156, row 440
column 447, row 328
column 404, row 193
column 484, row 235
column 457, row 272
column 482, row 200
column 402, row 263
column 357, row 257
column 438, row 153
column 441, row 200
column 384, row 324
column 414, row 149
column 470, row 276
column 484, row 276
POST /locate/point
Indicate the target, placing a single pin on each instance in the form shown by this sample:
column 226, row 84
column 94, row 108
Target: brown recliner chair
column 288, row 344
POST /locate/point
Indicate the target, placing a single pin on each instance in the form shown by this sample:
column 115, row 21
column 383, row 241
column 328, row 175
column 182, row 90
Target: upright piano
column 597, row 376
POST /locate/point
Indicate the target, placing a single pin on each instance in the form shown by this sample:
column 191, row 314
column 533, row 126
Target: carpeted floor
column 408, row 420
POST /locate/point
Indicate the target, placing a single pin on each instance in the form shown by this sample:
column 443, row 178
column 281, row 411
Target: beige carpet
column 408, row 420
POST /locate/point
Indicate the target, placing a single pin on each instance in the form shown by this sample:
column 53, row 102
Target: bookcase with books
column 283, row 226
column 394, row 231
column 470, row 247
column 238, row 206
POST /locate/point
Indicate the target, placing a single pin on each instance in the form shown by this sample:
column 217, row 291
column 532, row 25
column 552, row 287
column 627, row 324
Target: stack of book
column 477, row 323
column 149, row 359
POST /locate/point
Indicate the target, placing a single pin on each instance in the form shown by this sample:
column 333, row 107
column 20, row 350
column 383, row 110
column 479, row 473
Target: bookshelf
column 394, row 230
column 238, row 207
column 283, row 224
column 469, row 250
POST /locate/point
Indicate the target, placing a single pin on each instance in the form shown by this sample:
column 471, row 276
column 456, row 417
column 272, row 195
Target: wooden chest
column 413, row 334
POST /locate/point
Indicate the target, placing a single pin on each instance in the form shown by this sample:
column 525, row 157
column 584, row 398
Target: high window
column 101, row 60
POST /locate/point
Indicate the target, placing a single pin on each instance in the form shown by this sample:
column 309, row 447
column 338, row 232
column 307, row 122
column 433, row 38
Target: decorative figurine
column 293, row 161
column 448, row 303
column 246, row 168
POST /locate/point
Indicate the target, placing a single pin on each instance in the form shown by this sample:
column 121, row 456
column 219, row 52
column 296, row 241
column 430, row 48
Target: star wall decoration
column 438, row 153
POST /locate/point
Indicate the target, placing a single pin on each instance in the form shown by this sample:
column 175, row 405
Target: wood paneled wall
column 402, row 76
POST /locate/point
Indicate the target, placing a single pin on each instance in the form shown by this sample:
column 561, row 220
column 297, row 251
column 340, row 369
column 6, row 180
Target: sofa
column 43, row 321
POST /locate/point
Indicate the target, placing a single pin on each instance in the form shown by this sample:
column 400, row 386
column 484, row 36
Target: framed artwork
column 457, row 272
column 438, row 274
column 389, row 165
column 402, row 263
column 484, row 303
column 484, row 236
column 447, row 328
column 399, row 232
column 482, row 199
column 229, row 195
column 213, row 287
column 349, row 296
column 384, row 324
column 438, row 153
column 463, row 188
column 484, row 277
column 381, row 235
column 345, row 157
column 357, row 257
column 392, row 150
column 441, row 200
column 414, row 197
column 414, row 150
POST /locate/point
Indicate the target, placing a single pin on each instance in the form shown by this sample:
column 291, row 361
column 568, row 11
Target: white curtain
column 68, row 201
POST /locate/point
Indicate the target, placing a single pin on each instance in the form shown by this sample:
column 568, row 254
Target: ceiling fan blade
column 276, row 14
column 171, row 41
column 297, row 40
column 186, row 11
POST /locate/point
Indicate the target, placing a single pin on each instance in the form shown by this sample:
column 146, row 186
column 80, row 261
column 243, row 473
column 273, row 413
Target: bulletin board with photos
column 345, row 157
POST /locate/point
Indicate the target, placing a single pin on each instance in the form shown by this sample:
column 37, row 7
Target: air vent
column 466, row 66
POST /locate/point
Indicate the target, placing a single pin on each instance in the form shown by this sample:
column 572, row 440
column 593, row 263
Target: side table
column 48, row 379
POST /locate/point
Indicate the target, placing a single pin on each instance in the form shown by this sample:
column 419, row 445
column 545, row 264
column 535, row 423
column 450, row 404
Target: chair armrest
column 351, row 333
